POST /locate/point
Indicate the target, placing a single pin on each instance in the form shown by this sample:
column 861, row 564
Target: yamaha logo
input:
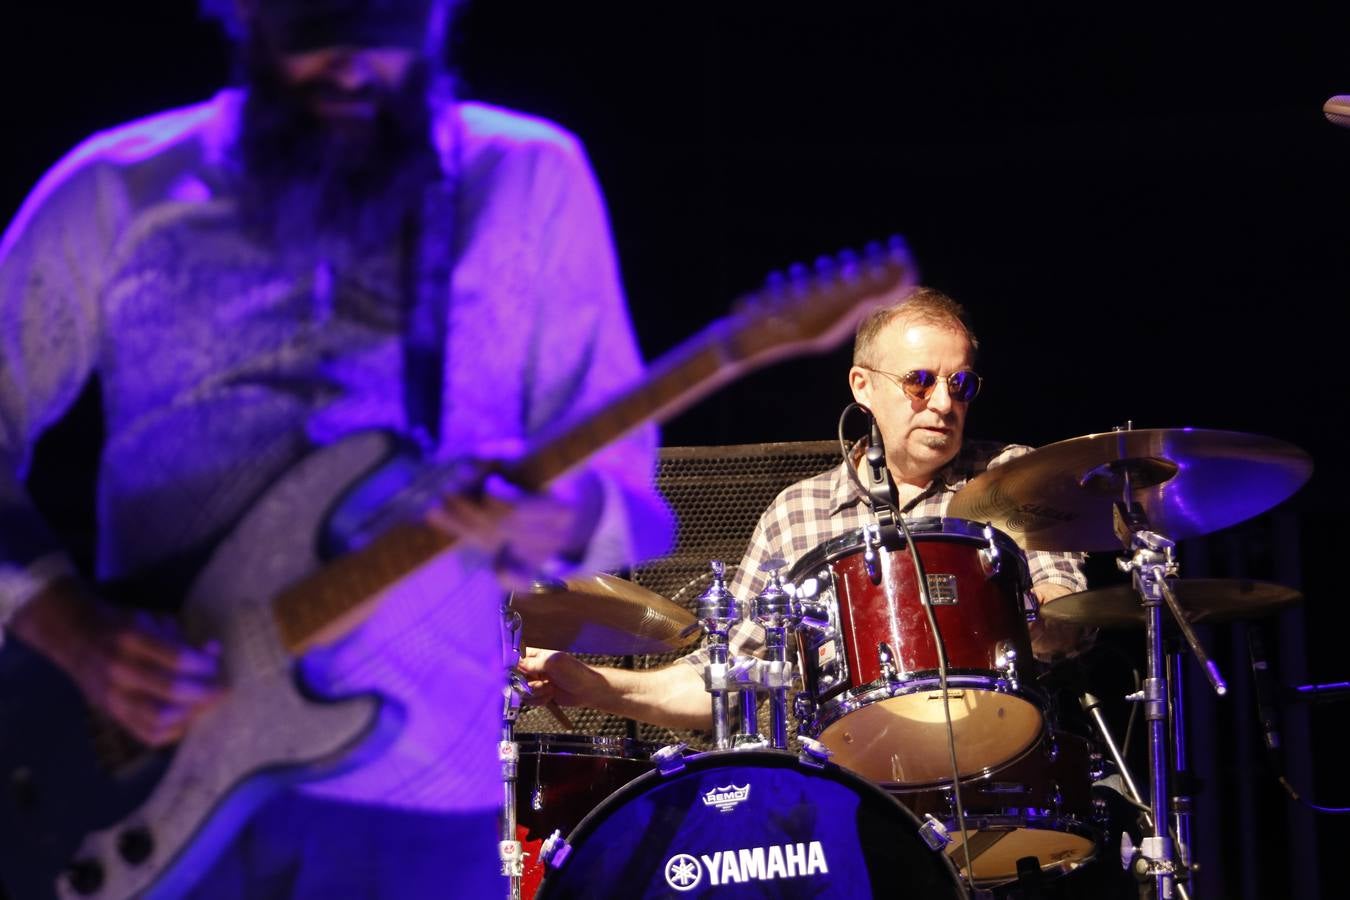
column 727, row 798
column 685, row 872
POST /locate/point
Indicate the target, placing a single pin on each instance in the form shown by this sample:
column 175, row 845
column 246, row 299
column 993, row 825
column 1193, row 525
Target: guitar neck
column 792, row 319
column 329, row 603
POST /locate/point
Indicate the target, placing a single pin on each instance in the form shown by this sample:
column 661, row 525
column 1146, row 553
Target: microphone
column 1265, row 692
column 1337, row 110
column 880, row 487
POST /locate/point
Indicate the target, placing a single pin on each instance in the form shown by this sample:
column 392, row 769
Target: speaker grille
column 717, row 494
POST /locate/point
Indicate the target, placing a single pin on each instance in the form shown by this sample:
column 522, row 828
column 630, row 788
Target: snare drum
column 561, row 778
column 749, row 823
column 871, row 668
column 1041, row 806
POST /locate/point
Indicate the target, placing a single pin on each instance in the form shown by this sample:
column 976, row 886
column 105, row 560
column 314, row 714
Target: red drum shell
column 891, row 727
column 566, row 776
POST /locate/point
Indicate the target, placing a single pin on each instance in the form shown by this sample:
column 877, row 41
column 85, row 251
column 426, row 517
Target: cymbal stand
column 1092, row 706
column 1181, row 793
column 509, row 849
column 716, row 614
column 773, row 610
column 1152, row 563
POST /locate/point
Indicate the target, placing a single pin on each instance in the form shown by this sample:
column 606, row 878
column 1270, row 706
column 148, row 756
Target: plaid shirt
column 827, row 505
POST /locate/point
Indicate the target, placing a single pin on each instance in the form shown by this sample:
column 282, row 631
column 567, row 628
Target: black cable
column 921, row 581
column 921, row 578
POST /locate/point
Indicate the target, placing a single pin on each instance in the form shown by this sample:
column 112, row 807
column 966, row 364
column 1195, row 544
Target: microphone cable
column 925, row 600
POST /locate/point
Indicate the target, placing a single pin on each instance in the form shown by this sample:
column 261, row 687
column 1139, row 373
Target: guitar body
column 152, row 828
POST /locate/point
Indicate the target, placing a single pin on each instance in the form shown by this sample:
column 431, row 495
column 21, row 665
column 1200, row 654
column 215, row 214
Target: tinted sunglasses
column 918, row 384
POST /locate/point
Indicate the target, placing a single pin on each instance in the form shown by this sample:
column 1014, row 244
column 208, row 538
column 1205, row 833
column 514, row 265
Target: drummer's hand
column 561, row 678
column 1053, row 640
column 137, row 668
column 527, row 535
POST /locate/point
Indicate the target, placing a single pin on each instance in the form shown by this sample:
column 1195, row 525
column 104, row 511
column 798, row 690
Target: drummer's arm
column 1055, row 575
column 672, row 697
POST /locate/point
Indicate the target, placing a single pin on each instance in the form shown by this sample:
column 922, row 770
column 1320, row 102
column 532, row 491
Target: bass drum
column 749, row 823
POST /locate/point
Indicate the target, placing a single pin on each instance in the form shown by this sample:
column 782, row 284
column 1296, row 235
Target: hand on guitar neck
column 526, row 534
column 135, row 667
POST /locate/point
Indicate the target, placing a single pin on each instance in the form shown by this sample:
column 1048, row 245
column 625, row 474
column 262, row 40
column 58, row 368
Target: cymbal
column 1189, row 482
column 1201, row 599
column 600, row 613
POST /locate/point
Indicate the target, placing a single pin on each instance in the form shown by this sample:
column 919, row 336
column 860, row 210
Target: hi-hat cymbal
column 1189, row 482
column 602, row 614
column 1201, row 599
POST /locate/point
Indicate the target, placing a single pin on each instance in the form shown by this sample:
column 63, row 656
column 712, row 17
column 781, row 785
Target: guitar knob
column 85, row 876
column 135, row 845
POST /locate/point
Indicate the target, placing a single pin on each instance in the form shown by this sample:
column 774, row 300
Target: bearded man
column 338, row 244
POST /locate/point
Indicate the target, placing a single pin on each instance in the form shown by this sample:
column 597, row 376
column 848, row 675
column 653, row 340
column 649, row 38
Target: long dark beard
column 309, row 188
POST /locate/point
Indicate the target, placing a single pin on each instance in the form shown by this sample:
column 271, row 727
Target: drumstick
column 553, row 707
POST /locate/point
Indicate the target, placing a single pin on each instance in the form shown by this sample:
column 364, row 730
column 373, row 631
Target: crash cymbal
column 602, row 614
column 1201, row 599
column 1189, row 482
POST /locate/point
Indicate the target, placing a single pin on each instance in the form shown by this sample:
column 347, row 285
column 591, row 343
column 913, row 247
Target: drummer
column 913, row 367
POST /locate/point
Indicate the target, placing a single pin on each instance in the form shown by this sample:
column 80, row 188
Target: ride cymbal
column 600, row 613
column 1202, row 600
column 1189, row 482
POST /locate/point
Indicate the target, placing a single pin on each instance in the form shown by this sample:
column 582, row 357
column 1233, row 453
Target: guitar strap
column 430, row 250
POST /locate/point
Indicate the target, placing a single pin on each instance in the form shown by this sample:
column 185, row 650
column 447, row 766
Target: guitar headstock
column 815, row 309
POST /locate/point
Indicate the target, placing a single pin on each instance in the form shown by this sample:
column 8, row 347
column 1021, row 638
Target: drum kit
column 930, row 762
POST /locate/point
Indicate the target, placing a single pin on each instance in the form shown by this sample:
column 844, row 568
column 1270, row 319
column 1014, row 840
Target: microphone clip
column 880, row 486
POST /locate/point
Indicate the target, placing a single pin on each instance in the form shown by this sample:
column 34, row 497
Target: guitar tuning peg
column 775, row 281
column 825, row 267
column 847, row 264
column 873, row 251
column 798, row 274
column 896, row 247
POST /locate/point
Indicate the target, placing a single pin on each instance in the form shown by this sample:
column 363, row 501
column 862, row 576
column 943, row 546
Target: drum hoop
column 850, row 701
column 1095, row 836
column 770, row 758
column 932, row 527
column 547, row 743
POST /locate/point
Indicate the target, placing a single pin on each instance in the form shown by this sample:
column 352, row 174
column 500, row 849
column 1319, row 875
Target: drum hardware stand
column 509, row 850
column 773, row 611
column 716, row 613
column 1153, row 562
column 1092, row 706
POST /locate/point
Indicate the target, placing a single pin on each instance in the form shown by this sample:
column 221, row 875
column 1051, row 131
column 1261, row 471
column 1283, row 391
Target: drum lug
column 934, row 833
column 803, row 708
column 1050, row 748
column 814, row 753
column 871, row 543
column 1005, row 660
column 886, row 656
column 555, row 850
column 1031, row 606
column 990, row 560
column 1096, row 767
column 670, row 759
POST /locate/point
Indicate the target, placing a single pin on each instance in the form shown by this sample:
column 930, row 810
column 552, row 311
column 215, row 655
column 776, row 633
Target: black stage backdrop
column 1141, row 205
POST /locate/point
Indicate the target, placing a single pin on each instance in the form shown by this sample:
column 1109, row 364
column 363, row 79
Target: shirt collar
column 844, row 491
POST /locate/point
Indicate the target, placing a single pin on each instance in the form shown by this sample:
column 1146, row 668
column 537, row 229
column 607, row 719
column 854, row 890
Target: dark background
column 1142, row 207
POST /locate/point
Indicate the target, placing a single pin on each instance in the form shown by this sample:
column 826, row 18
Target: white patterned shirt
column 807, row 514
